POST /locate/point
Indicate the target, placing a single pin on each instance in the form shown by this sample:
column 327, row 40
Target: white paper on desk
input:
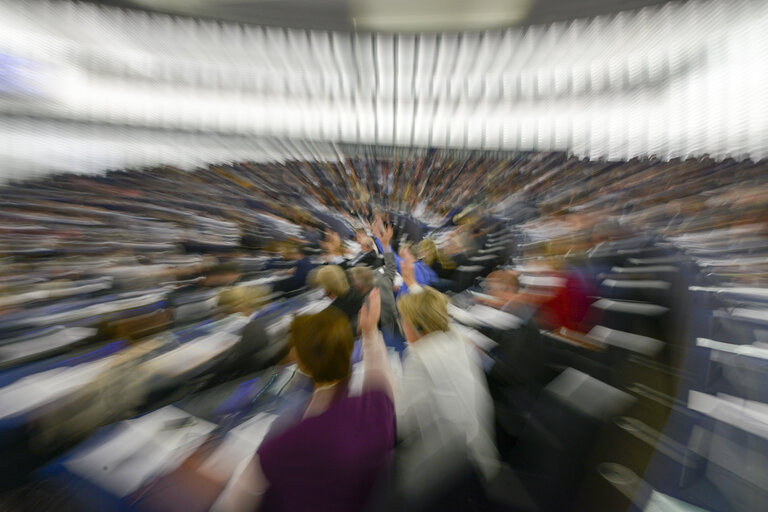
column 495, row 318
column 480, row 340
column 98, row 309
column 233, row 323
column 192, row 354
column 240, row 443
column 45, row 387
column 140, row 450
column 315, row 306
column 663, row 503
column 57, row 339
column 734, row 411
column 756, row 350
column 259, row 282
column 462, row 316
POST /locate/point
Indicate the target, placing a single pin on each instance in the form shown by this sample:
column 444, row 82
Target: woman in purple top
column 331, row 459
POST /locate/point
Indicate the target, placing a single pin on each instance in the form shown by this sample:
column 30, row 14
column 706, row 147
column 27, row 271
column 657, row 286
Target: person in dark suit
column 300, row 265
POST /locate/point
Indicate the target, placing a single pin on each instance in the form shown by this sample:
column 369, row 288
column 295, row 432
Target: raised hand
column 368, row 319
column 407, row 271
column 386, row 236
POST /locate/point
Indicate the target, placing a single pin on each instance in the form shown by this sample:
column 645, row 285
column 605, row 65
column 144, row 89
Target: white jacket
column 444, row 391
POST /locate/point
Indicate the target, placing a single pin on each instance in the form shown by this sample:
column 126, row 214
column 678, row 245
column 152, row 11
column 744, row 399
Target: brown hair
column 506, row 279
column 323, row 344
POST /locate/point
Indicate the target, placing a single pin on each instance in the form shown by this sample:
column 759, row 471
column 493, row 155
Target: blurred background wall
column 84, row 87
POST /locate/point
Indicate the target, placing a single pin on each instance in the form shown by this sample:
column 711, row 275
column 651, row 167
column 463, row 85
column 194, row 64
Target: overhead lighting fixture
column 436, row 15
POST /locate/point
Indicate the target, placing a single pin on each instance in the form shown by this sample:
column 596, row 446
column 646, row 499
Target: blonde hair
column 242, row 297
column 434, row 253
column 426, row 310
column 361, row 276
column 428, row 246
column 332, row 279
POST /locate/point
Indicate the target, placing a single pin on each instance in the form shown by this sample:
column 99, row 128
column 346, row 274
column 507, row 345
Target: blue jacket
column 423, row 274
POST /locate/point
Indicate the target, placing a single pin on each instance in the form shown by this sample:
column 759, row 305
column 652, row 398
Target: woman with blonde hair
column 443, row 390
column 441, row 263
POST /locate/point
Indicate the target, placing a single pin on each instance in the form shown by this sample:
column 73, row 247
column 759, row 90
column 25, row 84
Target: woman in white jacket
column 443, row 390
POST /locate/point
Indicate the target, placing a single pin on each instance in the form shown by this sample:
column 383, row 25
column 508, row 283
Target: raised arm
column 245, row 489
column 378, row 373
column 390, row 267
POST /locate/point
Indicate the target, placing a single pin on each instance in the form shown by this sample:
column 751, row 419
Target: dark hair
column 324, row 343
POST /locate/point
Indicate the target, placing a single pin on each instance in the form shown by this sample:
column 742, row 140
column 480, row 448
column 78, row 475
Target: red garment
column 569, row 306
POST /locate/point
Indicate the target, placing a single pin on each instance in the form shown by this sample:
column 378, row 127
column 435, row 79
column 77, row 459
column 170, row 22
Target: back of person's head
column 361, row 277
column 426, row 311
column 428, row 251
column 332, row 279
column 242, row 299
column 503, row 281
column 323, row 344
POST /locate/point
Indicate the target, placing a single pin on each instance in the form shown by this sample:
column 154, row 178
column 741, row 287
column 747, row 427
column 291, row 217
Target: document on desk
column 477, row 338
column 494, row 317
column 240, row 443
column 43, row 388
column 663, row 503
column 140, row 450
column 192, row 354
column 314, row 306
column 57, row 339
column 462, row 316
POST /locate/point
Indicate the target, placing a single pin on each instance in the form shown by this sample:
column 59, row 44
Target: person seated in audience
column 456, row 248
column 214, row 276
column 410, row 266
column 333, row 280
column 364, row 280
column 441, row 384
column 406, row 261
column 519, row 362
column 502, row 291
column 333, row 249
column 442, row 264
column 569, row 305
column 297, row 264
column 331, row 458
column 254, row 350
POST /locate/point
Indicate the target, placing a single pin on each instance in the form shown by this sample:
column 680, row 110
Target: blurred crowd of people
column 123, row 293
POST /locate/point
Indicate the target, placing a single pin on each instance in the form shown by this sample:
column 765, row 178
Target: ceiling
column 683, row 79
column 388, row 15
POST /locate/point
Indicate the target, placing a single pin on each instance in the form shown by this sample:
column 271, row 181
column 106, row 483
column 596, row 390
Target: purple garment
column 330, row 461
